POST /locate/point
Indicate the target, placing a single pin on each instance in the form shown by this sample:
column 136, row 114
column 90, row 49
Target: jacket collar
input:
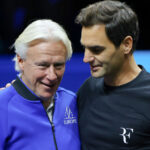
column 23, row 90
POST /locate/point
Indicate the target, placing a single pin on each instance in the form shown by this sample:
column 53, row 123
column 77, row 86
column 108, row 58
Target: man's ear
column 20, row 62
column 127, row 44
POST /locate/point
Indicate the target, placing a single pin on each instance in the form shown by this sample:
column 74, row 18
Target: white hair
column 44, row 29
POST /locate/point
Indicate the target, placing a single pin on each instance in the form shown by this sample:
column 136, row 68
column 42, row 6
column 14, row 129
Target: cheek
column 115, row 62
column 60, row 73
column 38, row 75
column 35, row 74
column 103, row 57
column 118, row 58
column 110, row 57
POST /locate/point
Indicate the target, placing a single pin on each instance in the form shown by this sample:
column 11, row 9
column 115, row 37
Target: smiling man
column 35, row 111
column 113, row 104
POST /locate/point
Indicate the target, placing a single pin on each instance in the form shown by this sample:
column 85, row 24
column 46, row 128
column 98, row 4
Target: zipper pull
column 53, row 127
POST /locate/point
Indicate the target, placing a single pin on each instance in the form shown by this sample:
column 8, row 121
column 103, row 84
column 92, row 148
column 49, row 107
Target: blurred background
column 15, row 15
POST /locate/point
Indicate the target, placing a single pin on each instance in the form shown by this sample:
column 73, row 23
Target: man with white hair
column 35, row 113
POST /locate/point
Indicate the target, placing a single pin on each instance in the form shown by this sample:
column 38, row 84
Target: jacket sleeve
column 3, row 120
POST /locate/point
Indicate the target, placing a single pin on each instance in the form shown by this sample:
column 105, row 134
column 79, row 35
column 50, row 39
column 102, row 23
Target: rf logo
column 126, row 134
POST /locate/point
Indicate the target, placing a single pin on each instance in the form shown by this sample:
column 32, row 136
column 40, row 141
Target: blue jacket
column 24, row 123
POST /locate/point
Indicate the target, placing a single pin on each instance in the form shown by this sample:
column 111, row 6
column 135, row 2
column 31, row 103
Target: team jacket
column 24, row 123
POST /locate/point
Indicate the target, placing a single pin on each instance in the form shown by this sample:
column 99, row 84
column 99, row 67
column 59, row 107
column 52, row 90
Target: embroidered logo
column 126, row 134
column 69, row 117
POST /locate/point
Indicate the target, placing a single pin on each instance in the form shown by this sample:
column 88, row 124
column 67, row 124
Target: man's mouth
column 48, row 85
column 96, row 67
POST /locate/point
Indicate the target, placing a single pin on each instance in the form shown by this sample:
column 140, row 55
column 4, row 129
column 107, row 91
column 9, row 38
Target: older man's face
column 44, row 67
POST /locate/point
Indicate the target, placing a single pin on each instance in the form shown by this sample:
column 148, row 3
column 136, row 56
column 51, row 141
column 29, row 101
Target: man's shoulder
column 144, row 77
column 6, row 97
column 91, row 83
column 7, row 94
column 65, row 92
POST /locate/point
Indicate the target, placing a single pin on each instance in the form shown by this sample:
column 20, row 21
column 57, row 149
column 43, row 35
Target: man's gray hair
column 44, row 29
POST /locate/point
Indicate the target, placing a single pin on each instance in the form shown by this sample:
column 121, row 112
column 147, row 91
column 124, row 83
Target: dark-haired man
column 114, row 104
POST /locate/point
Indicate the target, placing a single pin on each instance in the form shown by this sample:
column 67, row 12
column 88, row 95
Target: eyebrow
column 94, row 47
column 47, row 63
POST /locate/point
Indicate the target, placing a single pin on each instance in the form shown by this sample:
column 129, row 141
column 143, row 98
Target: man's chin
column 46, row 96
column 97, row 74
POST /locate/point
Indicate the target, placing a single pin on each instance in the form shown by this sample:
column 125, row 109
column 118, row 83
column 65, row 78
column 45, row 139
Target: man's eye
column 97, row 50
column 43, row 65
column 59, row 66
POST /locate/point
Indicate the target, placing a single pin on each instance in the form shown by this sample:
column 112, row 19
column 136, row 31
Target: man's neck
column 46, row 103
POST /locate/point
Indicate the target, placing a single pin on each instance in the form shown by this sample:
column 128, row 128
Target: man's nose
column 88, row 56
column 51, row 73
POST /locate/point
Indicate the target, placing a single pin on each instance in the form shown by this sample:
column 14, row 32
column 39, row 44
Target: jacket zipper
column 53, row 129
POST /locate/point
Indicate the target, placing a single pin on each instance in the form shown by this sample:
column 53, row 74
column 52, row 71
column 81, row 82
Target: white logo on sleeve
column 69, row 117
column 126, row 134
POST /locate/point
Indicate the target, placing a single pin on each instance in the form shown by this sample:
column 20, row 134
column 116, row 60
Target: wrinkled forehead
column 47, row 48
